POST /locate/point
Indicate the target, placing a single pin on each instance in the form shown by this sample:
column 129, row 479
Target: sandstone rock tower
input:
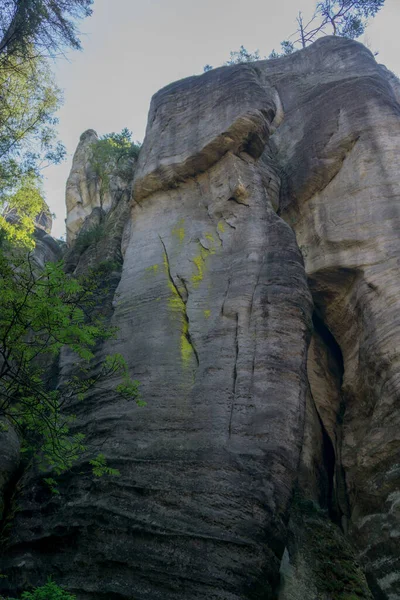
column 258, row 303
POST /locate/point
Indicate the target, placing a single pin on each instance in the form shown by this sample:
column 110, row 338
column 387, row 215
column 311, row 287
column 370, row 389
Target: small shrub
column 113, row 154
column 50, row 591
column 89, row 237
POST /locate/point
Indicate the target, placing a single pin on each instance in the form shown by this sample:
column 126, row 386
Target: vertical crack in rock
column 225, row 297
column 332, row 426
column 185, row 292
column 178, row 303
column 234, row 373
column 254, row 291
column 253, row 360
column 184, row 489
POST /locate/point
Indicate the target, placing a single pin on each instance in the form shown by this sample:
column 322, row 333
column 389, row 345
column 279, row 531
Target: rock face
column 341, row 196
column 266, row 462
column 87, row 191
column 82, row 193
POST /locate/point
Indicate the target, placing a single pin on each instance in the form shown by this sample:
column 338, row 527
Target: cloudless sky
column 132, row 48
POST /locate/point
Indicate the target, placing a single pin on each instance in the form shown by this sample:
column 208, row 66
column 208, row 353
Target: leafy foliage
column 43, row 312
column 52, row 484
column 113, row 153
column 89, row 237
column 347, row 18
column 286, row 49
column 50, row 591
column 20, row 209
column 30, row 32
column 100, row 467
column 28, row 142
column 40, row 27
column 237, row 57
column 242, row 56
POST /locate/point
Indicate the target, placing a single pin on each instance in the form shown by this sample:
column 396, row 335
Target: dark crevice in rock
column 184, row 290
column 254, row 145
column 168, row 269
column 330, row 342
column 342, row 498
column 377, row 592
column 327, row 499
column 234, row 373
column 233, row 199
column 336, row 501
column 184, row 299
column 269, row 114
column 225, row 297
column 254, row 291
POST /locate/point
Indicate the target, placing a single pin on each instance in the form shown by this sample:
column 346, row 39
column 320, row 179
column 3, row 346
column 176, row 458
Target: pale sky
column 132, row 48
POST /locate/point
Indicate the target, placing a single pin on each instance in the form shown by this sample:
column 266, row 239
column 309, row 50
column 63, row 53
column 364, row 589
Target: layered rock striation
column 257, row 304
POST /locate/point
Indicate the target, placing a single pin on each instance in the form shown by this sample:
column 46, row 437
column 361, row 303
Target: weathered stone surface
column 84, row 191
column 82, row 194
column 47, row 249
column 44, row 220
column 194, row 122
column 207, row 468
column 213, row 312
column 214, row 315
column 320, row 563
column 341, row 196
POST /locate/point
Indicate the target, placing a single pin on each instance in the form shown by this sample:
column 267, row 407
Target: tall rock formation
column 256, row 301
column 82, row 193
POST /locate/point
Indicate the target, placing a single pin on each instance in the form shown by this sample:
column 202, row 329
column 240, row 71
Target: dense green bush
column 113, row 153
column 90, row 237
column 52, row 310
column 50, row 591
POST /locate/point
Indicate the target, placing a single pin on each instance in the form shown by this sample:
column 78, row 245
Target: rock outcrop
column 82, row 194
column 89, row 191
column 340, row 195
column 256, row 300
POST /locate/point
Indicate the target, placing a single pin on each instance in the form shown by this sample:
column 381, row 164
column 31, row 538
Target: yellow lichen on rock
column 179, row 230
column 200, row 259
column 186, row 347
column 152, row 269
column 199, row 262
column 178, row 308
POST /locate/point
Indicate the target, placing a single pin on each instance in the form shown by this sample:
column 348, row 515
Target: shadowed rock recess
column 256, row 296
